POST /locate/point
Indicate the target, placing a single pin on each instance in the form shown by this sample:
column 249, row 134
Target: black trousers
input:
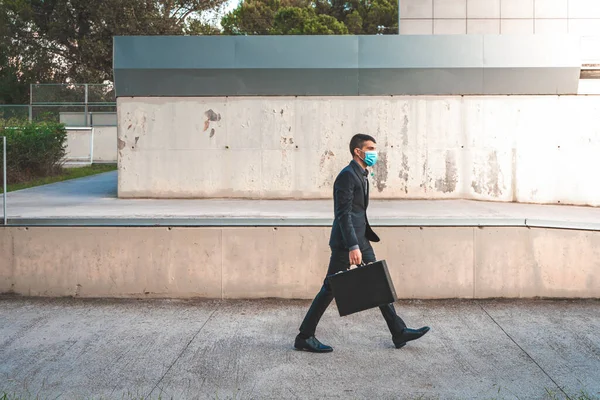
column 340, row 261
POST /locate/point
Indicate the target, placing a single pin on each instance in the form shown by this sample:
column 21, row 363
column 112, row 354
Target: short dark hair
column 359, row 140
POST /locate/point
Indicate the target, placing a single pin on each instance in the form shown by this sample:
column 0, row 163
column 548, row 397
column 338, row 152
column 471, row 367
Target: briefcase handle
column 362, row 264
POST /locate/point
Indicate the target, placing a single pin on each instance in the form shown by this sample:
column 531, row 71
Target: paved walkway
column 93, row 200
column 125, row 349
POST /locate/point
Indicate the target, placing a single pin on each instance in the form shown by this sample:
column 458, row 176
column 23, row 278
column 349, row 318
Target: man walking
column 350, row 243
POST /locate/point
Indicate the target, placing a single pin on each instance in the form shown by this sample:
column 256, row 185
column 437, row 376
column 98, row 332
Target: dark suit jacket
column 351, row 226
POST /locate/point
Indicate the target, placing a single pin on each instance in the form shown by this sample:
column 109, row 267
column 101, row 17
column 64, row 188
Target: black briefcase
column 362, row 288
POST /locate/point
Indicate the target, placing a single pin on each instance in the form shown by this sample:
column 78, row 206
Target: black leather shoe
column 409, row 334
column 311, row 344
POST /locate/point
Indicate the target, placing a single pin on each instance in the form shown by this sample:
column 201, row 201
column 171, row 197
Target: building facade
column 522, row 17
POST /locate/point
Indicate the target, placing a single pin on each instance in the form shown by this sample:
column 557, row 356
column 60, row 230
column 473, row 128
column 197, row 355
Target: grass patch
column 128, row 396
column 582, row 395
column 65, row 174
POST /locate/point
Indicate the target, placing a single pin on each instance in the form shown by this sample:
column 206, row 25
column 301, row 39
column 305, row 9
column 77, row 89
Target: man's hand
column 355, row 257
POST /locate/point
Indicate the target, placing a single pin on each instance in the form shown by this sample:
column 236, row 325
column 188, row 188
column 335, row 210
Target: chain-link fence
column 8, row 112
column 75, row 105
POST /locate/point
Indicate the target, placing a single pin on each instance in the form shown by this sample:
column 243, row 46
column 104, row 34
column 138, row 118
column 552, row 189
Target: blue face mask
column 370, row 158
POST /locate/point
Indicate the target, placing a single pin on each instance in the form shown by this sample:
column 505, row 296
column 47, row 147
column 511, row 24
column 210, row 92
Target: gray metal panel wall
column 172, row 52
column 345, row 65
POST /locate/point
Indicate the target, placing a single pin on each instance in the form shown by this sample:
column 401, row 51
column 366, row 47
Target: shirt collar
column 364, row 171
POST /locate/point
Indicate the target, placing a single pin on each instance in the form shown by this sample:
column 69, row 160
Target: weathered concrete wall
column 78, row 144
column 291, row 262
column 105, row 144
column 538, row 149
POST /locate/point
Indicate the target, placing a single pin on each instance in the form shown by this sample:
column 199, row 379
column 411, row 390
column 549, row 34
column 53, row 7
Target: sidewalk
column 202, row 349
column 93, row 201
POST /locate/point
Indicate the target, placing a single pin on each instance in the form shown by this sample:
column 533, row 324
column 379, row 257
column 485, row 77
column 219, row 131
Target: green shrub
column 34, row 149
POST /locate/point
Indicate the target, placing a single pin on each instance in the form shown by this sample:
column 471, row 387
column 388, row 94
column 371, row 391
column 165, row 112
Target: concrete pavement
column 92, row 200
column 199, row 349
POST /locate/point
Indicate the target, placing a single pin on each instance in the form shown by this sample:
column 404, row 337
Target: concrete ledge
column 290, row 262
column 291, row 222
column 300, row 222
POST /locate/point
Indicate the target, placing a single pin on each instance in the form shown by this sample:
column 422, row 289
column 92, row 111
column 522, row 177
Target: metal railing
column 75, row 105
column 76, row 101
column 5, row 217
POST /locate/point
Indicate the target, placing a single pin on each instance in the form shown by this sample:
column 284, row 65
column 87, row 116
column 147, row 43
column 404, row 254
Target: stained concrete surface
column 496, row 148
column 200, row 349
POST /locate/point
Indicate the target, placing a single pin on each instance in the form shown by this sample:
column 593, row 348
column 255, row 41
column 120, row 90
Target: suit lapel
column 361, row 178
column 367, row 196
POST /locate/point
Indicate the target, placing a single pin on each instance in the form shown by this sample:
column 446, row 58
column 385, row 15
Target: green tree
column 71, row 40
column 251, row 17
column 19, row 62
column 304, row 21
column 197, row 27
column 264, row 17
column 374, row 14
column 256, row 17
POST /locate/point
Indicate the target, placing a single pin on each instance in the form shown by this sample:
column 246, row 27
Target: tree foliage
column 33, row 149
column 305, row 21
column 71, row 40
column 58, row 41
column 306, row 17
